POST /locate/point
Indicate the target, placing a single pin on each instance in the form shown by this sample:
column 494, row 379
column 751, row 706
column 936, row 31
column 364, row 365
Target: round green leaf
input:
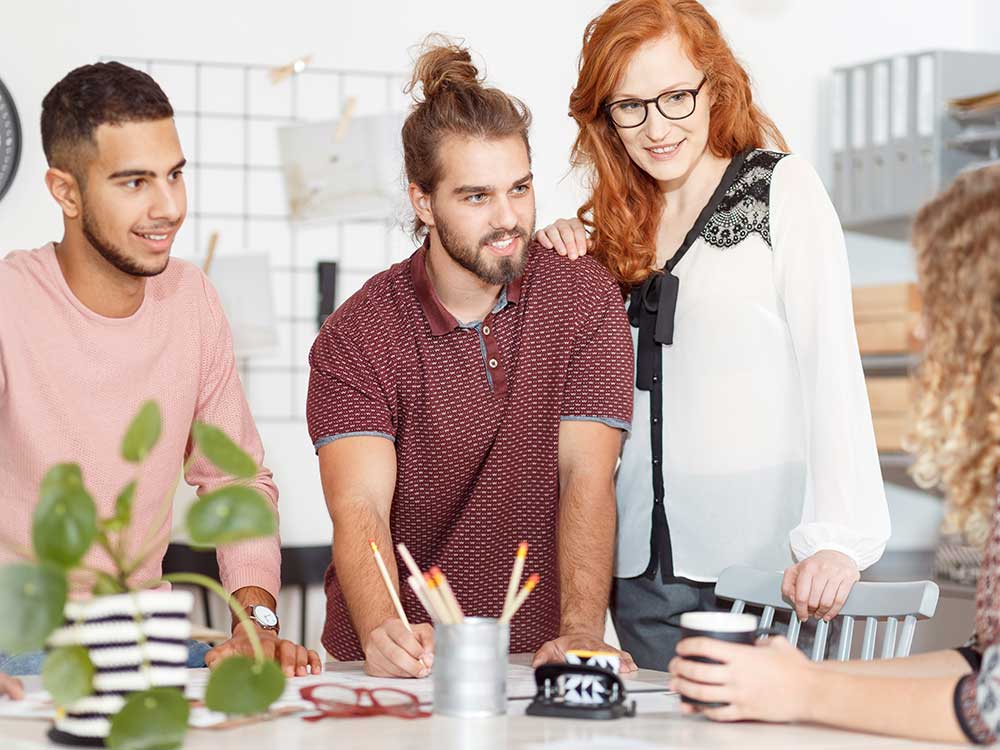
column 32, row 598
column 154, row 719
column 240, row 685
column 123, row 504
column 142, row 434
column 65, row 521
column 230, row 514
column 223, row 452
column 68, row 674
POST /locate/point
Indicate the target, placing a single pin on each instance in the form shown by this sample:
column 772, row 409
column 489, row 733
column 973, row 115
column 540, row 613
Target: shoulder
column 21, row 266
column 793, row 175
column 552, row 274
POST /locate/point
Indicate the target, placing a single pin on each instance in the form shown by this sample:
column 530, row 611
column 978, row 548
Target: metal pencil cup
column 470, row 668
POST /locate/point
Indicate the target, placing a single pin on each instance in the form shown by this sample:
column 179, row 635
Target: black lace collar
column 744, row 207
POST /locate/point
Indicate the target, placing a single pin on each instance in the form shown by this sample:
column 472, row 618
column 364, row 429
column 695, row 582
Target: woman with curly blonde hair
column 944, row 695
column 957, row 434
column 752, row 439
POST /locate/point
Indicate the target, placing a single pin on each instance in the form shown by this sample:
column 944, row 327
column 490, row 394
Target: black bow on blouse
column 651, row 309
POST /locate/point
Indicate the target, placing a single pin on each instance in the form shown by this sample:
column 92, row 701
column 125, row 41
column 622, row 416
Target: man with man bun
column 471, row 397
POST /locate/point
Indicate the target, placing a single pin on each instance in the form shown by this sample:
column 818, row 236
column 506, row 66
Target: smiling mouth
column 665, row 149
column 153, row 237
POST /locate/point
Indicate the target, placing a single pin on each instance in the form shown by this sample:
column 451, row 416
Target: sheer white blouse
column 768, row 447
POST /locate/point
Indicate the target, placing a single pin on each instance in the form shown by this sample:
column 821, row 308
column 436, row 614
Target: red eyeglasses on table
column 341, row 701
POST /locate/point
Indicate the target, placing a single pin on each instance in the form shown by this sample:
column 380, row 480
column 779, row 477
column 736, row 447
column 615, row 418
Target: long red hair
column 625, row 204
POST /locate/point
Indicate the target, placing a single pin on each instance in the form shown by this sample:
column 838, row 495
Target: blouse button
column 493, row 364
column 486, row 330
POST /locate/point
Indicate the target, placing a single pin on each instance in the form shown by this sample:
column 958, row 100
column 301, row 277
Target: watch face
column 10, row 139
column 265, row 616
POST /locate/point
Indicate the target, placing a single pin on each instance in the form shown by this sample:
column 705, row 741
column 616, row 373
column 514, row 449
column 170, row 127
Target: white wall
column 531, row 48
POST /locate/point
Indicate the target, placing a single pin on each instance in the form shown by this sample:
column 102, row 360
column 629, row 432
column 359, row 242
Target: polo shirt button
column 486, row 330
column 656, row 378
column 493, row 363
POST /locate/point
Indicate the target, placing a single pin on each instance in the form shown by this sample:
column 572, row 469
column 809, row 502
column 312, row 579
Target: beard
column 501, row 270
column 112, row 254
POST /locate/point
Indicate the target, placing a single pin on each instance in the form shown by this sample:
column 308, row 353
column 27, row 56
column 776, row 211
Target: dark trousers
column 646, row 614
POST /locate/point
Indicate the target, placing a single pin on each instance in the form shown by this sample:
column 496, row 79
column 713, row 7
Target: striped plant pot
column 136, row 641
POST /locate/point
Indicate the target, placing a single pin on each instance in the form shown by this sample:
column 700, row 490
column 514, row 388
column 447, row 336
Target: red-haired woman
column 752, row 438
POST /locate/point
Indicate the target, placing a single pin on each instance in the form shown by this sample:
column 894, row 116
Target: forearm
column 947, row 663
column 920, row 708
column 360, row 581
column 586, row 549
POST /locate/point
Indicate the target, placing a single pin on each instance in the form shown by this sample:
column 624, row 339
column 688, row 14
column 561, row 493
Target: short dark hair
column 93, row 95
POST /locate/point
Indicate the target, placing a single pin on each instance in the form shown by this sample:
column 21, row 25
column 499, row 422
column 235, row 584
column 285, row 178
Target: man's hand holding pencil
column 397, row 649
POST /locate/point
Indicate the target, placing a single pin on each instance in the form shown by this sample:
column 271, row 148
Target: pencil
column 521, row 596
column 437, row 600
column 422, row 596
column 515, row 577
column 388, row 584
column 447, row 594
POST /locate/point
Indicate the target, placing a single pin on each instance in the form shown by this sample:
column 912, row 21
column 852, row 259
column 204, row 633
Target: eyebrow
column 476, row 189
column 673, row 87
column 144, row 172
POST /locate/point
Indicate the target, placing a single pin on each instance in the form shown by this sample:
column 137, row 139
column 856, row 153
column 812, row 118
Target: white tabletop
column 658, row 724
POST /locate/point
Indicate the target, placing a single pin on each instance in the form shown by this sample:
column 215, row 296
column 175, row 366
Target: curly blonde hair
column 956, row 434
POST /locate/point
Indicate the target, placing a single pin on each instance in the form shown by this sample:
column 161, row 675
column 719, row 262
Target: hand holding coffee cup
column 724, row 626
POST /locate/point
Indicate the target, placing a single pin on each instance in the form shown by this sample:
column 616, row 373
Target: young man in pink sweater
column 101, row 321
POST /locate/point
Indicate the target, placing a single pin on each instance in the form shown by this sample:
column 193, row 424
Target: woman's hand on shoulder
column 566, row 236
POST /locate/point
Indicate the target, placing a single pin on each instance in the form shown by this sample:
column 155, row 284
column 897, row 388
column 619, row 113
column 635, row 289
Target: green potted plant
column 115, row 663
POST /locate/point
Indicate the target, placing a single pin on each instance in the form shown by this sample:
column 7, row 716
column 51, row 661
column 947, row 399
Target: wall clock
column 10, row 140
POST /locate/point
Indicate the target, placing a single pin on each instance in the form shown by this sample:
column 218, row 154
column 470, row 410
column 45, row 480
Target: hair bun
column 443, row 64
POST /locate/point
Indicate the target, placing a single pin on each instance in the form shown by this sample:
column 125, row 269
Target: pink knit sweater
column 71, row 381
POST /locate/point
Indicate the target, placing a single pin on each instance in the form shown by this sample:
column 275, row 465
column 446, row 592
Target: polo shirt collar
column 441, row 321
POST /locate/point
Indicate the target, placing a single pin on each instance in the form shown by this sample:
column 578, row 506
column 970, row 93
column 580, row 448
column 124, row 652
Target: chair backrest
column 908, row 601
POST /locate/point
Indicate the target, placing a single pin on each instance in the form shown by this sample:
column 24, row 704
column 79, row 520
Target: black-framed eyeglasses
column 674, row 105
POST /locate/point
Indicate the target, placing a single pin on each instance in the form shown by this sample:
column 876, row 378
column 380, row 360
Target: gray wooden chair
column 908, row 601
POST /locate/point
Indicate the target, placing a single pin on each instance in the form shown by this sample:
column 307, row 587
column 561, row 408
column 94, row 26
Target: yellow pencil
column 515, row 577
column 388, row 584
column 529, row 586
column 447, row 594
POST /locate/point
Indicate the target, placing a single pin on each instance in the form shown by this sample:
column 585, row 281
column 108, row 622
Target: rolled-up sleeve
column 845, row 507
column 599, row 378
column 346, row 397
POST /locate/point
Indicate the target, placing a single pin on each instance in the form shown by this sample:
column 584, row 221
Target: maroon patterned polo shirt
column 474, row 412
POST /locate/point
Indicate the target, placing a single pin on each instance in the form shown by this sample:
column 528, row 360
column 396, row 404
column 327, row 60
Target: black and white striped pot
column 136, row 641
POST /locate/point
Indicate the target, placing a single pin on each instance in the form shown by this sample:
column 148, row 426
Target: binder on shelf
column 838, row 143
column 859, row 139
column 880, row 166
column 903, row 115
column 926, row 126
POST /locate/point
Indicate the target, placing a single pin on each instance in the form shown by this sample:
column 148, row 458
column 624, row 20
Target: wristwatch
column 264, row 616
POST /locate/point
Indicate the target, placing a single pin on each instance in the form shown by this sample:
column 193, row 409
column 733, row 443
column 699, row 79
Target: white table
column 658, row 724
